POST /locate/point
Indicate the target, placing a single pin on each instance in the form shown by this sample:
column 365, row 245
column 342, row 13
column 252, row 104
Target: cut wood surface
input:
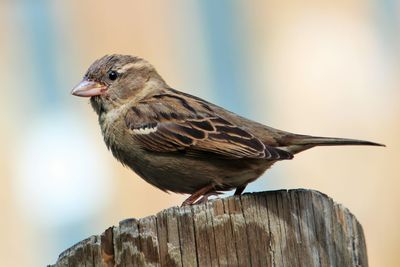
column 275, row 228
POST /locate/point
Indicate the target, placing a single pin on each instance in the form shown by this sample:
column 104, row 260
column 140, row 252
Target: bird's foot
column 205, row 197
column 202, row 192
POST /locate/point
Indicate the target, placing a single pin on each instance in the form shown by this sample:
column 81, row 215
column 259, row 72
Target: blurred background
column 327, row 67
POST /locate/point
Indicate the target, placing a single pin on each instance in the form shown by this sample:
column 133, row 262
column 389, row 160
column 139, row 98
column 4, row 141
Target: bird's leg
column 202, row 191
column 206, row 196
column 239, row 190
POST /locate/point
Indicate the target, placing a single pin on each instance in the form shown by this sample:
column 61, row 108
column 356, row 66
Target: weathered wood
column 277, row 228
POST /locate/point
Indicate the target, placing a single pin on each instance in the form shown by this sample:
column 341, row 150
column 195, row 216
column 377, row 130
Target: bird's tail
column 331, row 141
column 299, row 143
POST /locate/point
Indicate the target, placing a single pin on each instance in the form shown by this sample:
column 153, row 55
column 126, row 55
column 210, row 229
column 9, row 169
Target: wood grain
column 275, row 228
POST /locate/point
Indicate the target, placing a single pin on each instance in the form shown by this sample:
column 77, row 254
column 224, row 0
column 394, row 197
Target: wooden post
column 277, row 228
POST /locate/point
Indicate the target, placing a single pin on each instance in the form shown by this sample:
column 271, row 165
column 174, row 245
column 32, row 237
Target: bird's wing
column 166, row 126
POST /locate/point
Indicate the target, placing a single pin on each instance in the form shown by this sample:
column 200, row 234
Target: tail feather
column 297, row 143
column 330, row 141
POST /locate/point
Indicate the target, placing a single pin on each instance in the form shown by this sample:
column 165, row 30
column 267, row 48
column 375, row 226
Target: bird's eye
column 113, row 75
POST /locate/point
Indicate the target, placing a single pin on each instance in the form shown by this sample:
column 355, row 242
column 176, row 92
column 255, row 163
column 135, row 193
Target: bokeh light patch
column 59, row 175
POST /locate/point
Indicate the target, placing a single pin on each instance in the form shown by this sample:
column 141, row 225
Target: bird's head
column 116, row 79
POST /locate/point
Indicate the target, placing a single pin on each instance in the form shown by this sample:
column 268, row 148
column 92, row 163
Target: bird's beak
column 88, row 88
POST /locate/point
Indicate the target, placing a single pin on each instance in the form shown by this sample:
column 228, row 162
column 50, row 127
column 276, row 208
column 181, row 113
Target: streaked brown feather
column 194, row 129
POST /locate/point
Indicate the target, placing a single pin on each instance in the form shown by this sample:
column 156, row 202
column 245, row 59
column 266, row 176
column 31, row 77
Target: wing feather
column 194, row 129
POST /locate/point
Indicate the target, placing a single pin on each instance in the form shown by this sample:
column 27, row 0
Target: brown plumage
column 179, row 142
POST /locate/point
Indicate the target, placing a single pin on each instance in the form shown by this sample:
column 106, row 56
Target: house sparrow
column 179, row 142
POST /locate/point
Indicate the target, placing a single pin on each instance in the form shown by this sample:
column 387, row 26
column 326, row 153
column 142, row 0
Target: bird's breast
column 113, row 128
column 108, row 121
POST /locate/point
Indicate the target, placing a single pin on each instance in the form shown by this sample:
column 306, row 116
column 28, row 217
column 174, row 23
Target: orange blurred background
column 317, row 67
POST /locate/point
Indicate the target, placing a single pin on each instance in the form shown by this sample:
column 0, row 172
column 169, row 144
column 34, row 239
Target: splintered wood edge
column 174, row 236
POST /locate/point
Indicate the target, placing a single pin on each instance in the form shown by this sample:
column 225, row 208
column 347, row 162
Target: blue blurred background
column 317, row 67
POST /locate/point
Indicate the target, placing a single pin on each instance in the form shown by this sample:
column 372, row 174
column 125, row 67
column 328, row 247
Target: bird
column 181, row 143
